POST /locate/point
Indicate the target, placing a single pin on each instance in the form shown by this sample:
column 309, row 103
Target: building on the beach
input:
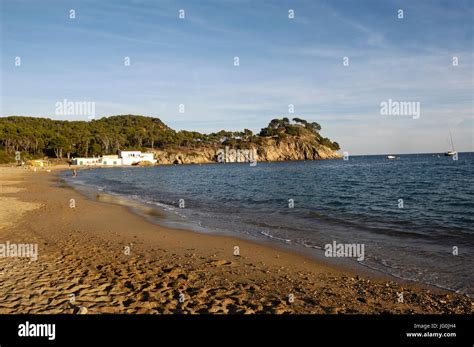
column 124, row 158
column 111, row 160
column 96, row 161
column 135, row 157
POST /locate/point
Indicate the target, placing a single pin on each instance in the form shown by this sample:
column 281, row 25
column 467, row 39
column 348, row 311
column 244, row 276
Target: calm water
column 354, row 201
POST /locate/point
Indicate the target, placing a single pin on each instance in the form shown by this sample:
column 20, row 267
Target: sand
column 99, row 257
column 11, row 208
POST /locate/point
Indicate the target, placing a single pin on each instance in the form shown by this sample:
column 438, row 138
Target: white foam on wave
column 274, row 237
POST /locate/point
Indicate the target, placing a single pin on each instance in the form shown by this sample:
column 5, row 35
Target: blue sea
column 414, row 215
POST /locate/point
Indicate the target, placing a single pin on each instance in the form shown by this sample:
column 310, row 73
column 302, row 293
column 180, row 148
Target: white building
column 87, row 161
column 134, row 157
column 124, row 158
column 111, row 160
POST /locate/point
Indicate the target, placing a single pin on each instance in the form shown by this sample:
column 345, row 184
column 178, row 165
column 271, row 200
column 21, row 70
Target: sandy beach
column 97, row 257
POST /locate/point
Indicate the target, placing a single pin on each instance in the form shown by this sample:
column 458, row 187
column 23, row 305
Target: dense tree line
column 38, row 137
column 283, row 127
column 64, row 139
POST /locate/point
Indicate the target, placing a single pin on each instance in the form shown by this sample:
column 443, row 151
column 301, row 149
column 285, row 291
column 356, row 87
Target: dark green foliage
column 39, row 137
column 65, row 139
column 277, row 127
column 281, row 128
column 299, row 120
column 328, row 143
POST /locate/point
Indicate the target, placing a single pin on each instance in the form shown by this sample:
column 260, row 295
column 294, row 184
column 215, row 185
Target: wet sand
column 98, row 257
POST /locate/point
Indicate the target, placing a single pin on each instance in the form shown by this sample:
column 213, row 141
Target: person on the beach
column 74, row 173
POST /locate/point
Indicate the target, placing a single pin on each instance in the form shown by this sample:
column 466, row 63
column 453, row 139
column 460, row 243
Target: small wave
column 386, row 270
column 274, row 237
column 307, row 245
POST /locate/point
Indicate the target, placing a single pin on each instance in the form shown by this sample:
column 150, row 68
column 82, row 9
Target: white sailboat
column 452, row 152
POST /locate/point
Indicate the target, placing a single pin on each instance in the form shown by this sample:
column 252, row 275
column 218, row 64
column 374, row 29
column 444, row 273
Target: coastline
column 159, row 218
column 82, row 266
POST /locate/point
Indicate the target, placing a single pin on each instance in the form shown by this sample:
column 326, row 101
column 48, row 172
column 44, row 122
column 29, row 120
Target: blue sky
column 282, row 62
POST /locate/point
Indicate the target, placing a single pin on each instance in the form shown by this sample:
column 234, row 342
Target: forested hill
column 40, row 137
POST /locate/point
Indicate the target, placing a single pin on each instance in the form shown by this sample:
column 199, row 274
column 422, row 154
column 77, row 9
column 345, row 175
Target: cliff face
column 202, row 155
column 269, row 150
column 294, row 149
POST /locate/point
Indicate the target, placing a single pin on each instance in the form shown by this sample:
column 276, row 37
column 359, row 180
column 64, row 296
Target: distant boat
column 452, row 152
column 391, row 157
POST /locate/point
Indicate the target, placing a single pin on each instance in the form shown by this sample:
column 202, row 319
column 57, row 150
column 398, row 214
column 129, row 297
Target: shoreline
column 156, row 217
column 173, row 270
column 159, row 217
column 151, row 215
